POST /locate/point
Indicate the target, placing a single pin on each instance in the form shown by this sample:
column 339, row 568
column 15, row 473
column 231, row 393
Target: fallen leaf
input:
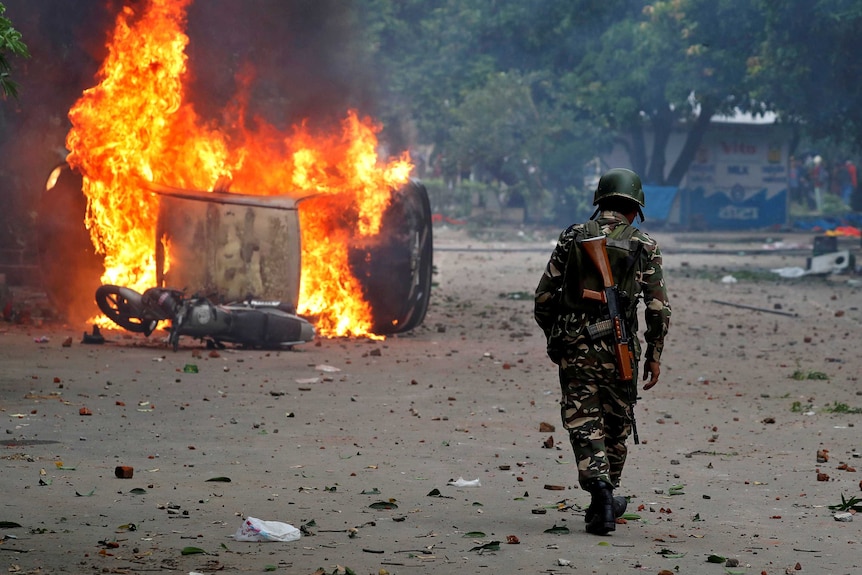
column 669, row 554
column 9, row 525
column 492, row 546
column 436, row 493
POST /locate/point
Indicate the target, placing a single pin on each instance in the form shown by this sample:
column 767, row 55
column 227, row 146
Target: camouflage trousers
column 598, row 417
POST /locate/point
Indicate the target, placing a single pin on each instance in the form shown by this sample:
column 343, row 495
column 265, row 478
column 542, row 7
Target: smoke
column 304, row 58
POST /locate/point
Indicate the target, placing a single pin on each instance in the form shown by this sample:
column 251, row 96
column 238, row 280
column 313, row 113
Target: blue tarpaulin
column 659, row 200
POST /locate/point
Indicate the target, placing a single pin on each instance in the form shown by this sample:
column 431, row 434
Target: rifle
column 596, row 249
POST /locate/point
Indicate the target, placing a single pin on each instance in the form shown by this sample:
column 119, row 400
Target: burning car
column 152, row 194
column 229, row 246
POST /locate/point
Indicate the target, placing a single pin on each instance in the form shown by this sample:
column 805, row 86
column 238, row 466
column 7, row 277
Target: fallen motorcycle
column 249, row 323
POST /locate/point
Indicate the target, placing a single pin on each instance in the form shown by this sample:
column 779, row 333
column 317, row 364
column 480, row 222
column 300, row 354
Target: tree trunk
column 794, row 140
column 662, row 124
column 637, row 152
column 692, row 143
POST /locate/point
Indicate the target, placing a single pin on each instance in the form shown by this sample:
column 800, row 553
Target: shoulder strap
column 624, row 238
column 592, row 229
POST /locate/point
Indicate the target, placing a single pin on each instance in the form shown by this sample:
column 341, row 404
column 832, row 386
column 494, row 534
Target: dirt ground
column 323, row 436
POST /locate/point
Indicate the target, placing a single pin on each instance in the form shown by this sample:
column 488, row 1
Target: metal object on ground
column 755, row 308
column 831, row 263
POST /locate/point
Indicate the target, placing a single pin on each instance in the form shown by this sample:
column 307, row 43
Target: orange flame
column 136, row 125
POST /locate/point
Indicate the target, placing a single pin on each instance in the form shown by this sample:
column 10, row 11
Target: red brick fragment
column 124, row 472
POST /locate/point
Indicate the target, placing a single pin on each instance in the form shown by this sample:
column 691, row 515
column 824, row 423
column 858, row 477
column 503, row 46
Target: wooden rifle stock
column 596, row 249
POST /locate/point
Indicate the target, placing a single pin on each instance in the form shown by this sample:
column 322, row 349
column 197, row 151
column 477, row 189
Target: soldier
column 597, row 407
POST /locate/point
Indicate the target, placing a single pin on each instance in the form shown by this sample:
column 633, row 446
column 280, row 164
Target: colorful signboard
column 738, row 180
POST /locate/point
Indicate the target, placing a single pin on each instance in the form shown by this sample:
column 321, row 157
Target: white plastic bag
column 461, row 482
column 790, row 272
column 253, row 529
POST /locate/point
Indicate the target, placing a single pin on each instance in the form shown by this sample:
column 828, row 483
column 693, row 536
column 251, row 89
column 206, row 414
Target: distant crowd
column 811, row 180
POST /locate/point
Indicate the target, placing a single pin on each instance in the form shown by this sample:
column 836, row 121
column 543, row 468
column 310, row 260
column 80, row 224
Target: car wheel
column 395, row 271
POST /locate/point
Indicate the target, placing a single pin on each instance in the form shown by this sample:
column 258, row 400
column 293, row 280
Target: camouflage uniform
column 596, row 406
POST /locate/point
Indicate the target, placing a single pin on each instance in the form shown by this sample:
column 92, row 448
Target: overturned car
column 229, row 246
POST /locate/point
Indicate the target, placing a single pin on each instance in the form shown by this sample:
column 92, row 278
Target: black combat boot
column 620, row 504
column 601, row 508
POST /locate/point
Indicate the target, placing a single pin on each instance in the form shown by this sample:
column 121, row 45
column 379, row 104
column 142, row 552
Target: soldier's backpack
column 624, row 253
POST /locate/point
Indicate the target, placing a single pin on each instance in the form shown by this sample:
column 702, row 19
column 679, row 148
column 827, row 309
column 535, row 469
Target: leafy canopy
column 10, row 43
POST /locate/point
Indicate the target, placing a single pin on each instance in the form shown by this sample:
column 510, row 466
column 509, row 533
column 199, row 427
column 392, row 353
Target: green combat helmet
column 622, row 183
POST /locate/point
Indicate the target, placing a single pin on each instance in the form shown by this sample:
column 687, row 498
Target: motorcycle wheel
column 121, row 305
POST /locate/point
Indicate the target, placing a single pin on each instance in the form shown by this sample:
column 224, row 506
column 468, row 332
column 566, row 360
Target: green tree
column 534, row 44
column 10, row 43
column 667, row 65
column 428, row 55
column 479, row 82
column 515, row 130
column 808, row 67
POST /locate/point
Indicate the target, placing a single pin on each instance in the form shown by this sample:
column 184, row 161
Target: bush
column 833, row 205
